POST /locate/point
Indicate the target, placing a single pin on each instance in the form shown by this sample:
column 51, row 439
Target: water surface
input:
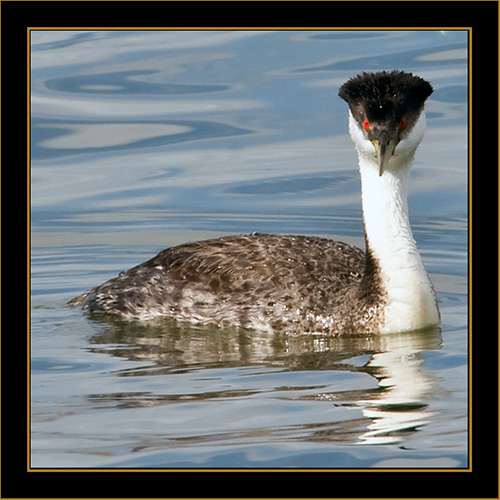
column 145, row 139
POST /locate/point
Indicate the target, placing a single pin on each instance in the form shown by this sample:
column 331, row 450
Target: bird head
column 385, row 109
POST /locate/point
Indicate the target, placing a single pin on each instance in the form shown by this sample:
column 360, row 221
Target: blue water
column 145, row 139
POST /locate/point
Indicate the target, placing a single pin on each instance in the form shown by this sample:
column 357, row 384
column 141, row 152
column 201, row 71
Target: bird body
column 263, row 281
column 303, row 284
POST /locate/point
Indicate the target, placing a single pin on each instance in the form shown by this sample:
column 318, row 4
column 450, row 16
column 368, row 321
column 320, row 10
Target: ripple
column 54, row 138
column 423, row 57
column 125, row 82
column 288, row 185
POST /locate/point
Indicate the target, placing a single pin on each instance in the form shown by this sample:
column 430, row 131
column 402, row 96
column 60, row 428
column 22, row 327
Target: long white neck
column 405, row 286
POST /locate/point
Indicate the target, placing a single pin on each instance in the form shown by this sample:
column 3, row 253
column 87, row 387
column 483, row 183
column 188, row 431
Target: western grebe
column 300, row 284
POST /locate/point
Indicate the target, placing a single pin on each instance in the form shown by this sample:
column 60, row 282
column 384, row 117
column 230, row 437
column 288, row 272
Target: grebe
column 302, row 284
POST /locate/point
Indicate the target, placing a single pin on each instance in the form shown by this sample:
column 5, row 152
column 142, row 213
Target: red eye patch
column 366, row 124
column 403, row 123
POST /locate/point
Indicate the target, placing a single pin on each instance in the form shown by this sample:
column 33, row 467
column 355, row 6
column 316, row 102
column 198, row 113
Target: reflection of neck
column 407, row 387
column 410, row 298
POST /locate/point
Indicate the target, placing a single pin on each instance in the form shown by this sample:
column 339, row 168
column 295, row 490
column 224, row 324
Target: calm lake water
column 145, row 139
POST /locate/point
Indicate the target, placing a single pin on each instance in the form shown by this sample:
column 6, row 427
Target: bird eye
column 366, row 124
column 403, row 123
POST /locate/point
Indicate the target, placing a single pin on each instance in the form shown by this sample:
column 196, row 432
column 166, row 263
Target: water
column 142, row 140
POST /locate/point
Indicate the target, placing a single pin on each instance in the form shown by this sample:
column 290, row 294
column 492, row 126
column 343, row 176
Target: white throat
column 410, row 298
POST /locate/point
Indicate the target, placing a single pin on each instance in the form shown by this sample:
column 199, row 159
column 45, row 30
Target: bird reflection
column 398, row 367
column 396, row 406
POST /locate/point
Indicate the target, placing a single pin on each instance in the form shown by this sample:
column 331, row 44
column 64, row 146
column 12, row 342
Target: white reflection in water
column 407, row 386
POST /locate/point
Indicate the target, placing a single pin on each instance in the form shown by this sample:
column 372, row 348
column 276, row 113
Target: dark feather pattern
column 385, row 98
column 291, row 283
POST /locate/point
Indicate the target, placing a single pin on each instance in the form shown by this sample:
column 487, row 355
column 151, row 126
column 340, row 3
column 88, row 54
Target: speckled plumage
column 292, row 283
